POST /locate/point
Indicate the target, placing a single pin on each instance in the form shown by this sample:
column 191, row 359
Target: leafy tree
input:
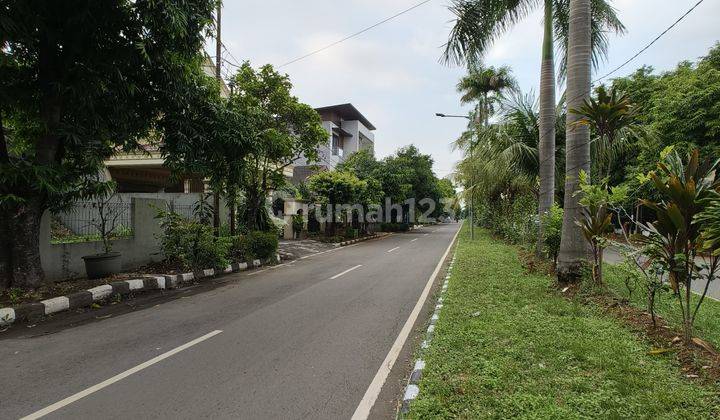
column 79, row 81
column 207, row 135
column 282, row 130
column 335, row 188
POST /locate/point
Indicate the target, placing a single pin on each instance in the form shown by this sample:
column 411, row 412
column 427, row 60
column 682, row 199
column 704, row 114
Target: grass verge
column 507, row 345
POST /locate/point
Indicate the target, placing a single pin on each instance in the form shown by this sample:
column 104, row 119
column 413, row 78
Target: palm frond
column 478, row 23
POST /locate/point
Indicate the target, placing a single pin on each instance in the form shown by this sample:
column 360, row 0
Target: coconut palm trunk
column 546, row 147
column 573, row 249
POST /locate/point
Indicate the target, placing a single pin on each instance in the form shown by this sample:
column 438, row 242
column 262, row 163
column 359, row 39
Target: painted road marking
column 426, row 234
column 257, row 272
column 82, row 394
column 391, row 250
column 368, row 401
column 345, row 272
column 414, row 239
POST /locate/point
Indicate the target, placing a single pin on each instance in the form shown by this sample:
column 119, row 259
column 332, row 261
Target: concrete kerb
column 364, row 238
column 412, row 389
column 31, row 312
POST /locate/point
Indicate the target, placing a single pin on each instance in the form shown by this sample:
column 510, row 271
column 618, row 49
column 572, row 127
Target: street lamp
column 472, row 174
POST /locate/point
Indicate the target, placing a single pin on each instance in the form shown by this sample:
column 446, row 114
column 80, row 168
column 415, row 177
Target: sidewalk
column 612, row 256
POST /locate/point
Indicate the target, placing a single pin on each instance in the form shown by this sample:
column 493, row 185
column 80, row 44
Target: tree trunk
column 24, row 230
column 546, row 147
column 573, row 249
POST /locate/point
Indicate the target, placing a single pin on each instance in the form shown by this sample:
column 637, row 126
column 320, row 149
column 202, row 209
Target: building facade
column 348, row 132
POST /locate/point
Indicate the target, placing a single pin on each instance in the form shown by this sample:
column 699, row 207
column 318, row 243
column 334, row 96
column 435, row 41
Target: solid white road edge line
column 345, row 272
column 391, row 250
column 368, row 401
column 82, row 394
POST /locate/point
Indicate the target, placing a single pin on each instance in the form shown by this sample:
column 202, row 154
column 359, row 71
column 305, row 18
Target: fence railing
column 82, row 222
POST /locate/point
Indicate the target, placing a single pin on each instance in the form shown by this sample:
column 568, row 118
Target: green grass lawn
column 707, row 323
column 507, row 346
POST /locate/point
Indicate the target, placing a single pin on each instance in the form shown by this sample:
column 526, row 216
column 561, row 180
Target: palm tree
column 573, row 248
column 613, row 118
column 485, row 85
column 480, row 22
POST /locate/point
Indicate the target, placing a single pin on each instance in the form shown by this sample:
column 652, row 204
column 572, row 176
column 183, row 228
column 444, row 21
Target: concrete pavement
column 612, row 256
column 300, row 340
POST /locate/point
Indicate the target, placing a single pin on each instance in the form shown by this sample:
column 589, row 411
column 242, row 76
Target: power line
column 231, row 55
column 354, row 34
column 657, row 38
column 618, row 68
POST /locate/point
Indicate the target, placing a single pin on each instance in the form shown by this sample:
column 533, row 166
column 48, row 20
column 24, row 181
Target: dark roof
column 347, row 112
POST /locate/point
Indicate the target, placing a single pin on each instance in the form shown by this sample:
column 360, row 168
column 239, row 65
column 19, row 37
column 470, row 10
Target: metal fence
column 82, row 222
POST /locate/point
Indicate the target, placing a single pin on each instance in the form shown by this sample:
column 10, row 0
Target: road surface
column 301, row 340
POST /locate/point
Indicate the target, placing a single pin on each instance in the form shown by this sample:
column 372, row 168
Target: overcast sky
column 392, row 73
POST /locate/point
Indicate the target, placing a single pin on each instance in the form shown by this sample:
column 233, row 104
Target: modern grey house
column 348, row 132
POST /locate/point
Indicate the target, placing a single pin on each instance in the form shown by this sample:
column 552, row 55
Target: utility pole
column 218, row 67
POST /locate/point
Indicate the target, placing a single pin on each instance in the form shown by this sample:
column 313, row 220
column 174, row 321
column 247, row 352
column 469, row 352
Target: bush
column 191, row 243
column 351, row 233
column 394, row 227
column 239, row 250
column 262, row 245
column 552, row 231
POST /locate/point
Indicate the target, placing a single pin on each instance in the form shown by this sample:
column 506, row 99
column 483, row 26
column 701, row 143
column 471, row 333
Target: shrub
column 191, row 243
column 552, row 231
column 262, row 245
column 683, row 240
column 298, row 223
column 394, row 227
column 351, row 233
column 239, row 251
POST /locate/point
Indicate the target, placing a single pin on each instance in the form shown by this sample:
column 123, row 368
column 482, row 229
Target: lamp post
column 472, row 173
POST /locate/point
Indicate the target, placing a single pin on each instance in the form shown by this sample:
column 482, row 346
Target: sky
column 393, row 74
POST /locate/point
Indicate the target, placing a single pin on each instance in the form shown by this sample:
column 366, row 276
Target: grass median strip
column 508, row 346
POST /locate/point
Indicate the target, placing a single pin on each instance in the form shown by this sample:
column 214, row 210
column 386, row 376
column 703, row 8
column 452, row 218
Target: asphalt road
column 301, row 340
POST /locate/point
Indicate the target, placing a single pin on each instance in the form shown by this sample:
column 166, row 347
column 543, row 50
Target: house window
column 337, row 145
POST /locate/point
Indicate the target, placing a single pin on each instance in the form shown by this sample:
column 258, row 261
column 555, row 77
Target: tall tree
column 573, row 248
column 80, row 79
column 480, row 22
column 485, row 86
column 282, row 130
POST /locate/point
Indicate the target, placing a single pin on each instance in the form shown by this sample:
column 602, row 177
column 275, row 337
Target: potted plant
column 106, row 223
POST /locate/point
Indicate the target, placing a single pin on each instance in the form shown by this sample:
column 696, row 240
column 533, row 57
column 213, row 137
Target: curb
column 364, row 238
column 412, row 389
column 34, row 311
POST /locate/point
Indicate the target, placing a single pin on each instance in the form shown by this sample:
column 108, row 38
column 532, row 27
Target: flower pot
column 102, row 265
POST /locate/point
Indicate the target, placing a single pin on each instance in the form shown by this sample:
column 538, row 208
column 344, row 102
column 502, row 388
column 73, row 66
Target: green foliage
column 191, row 243
column 81, row 80
column 298, row 222
column 281, row 130
column 394, row 227
column 513, row 219
column 262, row 245
column 676, row 239
column 552, row 231
column 680, row 108
column 613, row 118
column 596, row 222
